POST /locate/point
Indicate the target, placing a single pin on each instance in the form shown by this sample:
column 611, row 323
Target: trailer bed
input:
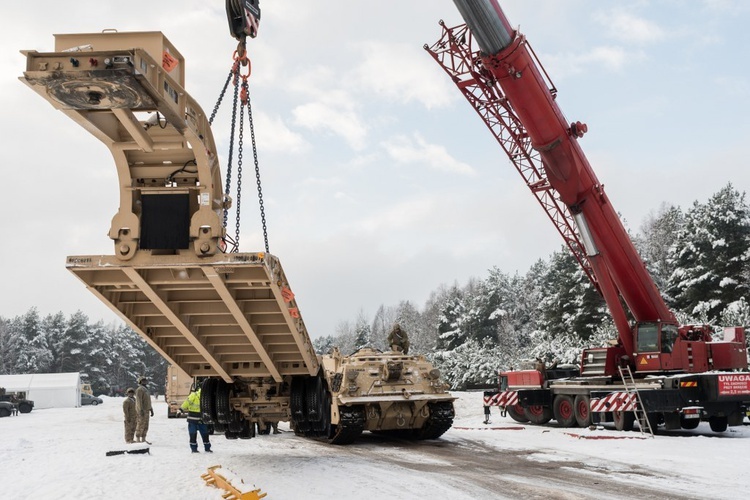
column 227, row 315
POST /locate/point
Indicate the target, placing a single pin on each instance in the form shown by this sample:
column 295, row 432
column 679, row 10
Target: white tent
column 46, row 390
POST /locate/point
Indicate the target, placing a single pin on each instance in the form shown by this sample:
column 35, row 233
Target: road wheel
column 624, row 420
column 689, row 423
column 582, row 405
column 718, row 424
column 564, row 411
column 537, row 414
column 516, row 413
column 4, row 412
column 93, row 403
column 26, row 408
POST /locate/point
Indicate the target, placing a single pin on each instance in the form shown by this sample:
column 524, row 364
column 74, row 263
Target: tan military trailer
column 229, row 318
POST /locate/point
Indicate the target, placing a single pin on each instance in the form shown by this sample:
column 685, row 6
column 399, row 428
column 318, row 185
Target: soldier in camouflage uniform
column 128, row 409
column 398, row 340
column 143, row 410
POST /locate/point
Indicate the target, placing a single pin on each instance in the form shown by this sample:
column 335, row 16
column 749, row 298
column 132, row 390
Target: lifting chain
column 241, row 99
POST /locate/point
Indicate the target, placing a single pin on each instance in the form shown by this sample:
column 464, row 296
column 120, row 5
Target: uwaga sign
column 734, row 385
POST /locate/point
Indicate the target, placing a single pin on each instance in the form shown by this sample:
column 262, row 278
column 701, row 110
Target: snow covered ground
column 60, row 453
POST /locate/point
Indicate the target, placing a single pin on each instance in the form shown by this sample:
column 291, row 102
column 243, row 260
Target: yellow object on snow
column 224, row 479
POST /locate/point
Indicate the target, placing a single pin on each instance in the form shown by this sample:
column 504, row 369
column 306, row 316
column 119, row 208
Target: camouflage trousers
column 129, row 430
column 141, row 427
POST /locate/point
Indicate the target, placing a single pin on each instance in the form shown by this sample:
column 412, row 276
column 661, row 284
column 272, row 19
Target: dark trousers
column 194, row 427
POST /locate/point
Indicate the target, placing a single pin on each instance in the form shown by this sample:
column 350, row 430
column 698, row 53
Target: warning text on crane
column 734, row 385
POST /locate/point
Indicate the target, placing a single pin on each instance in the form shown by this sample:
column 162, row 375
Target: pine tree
column 451, row 333
column 655, row 240
column 362, row 332
column 711, row 255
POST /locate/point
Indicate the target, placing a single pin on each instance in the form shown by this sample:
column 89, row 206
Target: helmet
column 130, row 391
column 142, row 379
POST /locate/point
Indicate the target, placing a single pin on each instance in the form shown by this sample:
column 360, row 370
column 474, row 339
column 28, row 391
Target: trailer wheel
column 689, row 423
column 208, row 400
column 564, row 411
column 718, row 424
column 623, row 420
column 583, row 410
column 516, row 413
column 538, row 414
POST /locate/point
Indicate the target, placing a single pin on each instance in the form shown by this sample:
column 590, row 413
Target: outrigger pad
column 139, row 451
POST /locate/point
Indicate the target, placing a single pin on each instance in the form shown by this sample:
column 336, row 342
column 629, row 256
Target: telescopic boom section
column 616, row 263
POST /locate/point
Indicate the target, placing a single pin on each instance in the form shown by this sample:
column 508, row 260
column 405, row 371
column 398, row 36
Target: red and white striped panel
column 507, row 398
column 617, row 401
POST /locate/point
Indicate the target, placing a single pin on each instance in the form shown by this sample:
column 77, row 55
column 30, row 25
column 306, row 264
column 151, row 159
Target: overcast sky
column 380, row 181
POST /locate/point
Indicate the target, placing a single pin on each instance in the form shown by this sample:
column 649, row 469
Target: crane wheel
column 623, row 420
column 564, row 411
column 538, row 414
column 516, row 413
column 582, row 406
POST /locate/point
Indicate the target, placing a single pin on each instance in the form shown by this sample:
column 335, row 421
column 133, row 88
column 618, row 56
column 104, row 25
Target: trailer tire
column 718, row 424
column 538, row 414
column 208, row 400
column 623, row 420
column 516, row 413
column 582, row 405
column 564, row 411
column 689, row 423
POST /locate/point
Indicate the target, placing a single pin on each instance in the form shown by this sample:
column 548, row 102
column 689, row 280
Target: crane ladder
column 644, row 424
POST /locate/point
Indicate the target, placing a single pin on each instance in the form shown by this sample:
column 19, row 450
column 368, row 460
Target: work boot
column 195, row 451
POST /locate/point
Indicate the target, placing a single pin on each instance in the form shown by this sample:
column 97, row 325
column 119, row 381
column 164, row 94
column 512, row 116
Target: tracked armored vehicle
column 385, row 392
column 228, row 318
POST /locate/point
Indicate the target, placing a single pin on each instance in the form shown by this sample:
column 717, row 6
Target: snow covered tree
column 450, row 322
column 570, row 303
column 34, row 355
column 711, row 255
column 54, row 327
column 654, row 241
column 8, row 347
column 323, row 345
column 362, row 332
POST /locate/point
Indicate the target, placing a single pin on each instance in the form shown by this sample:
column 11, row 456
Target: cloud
column 322, row 116
column 400, row 72
column 274, row 135
column 407, row 150
column 628, row 28
column 733, row 86
column 612, row 58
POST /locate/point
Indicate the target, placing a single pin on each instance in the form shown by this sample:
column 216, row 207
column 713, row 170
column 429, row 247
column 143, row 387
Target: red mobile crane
column 691, row 376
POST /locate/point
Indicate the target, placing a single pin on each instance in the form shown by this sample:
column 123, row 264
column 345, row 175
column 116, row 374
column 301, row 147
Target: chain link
column 235, row 76
column 257, row 174
column 228, row 183
column 221, row 96
column 239, row 165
